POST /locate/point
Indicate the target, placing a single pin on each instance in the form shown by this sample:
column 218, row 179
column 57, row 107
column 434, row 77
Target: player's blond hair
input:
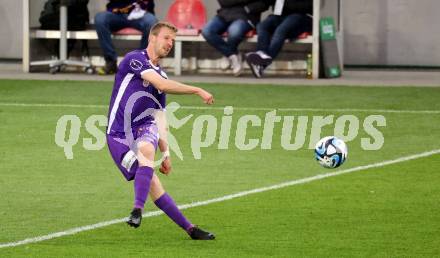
column 156, row 27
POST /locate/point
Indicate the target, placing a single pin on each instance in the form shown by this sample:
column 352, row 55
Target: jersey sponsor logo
column 135, row 64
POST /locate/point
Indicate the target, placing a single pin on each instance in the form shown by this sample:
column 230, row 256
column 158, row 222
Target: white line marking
column 237, row 108
column 220, row 199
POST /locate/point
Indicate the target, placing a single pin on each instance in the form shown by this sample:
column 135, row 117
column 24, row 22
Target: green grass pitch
column 388, row 211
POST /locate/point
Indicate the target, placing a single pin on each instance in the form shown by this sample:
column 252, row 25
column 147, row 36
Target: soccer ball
column 331, row 152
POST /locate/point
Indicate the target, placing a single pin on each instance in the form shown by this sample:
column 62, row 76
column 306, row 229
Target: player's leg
column 164, row 202
column 142, row 180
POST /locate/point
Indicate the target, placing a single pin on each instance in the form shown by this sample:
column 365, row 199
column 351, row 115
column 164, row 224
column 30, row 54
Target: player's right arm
column 174, row 87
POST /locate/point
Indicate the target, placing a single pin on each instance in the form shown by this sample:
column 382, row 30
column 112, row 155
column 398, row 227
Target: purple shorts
column 123, row 151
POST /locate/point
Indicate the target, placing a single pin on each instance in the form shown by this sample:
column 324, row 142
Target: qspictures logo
column 228, row 131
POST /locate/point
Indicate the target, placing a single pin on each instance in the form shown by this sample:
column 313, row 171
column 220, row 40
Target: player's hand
column 165, row 166
column 206, row 96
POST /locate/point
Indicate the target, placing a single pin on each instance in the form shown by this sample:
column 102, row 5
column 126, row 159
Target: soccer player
column 137, row 125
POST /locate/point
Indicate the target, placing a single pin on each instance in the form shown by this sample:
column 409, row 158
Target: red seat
column 304, row 35
column 128, row 31
column 189, row 16
column 251, row 33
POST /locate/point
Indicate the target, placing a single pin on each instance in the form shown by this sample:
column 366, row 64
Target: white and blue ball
column 331, row 152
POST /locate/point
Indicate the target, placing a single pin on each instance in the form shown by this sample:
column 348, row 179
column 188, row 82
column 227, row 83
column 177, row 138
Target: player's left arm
column 162, row 126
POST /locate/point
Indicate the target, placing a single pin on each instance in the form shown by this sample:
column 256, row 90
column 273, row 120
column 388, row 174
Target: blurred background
column 376, row 32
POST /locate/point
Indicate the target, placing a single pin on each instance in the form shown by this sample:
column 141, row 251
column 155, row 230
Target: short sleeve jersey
column 133, row 99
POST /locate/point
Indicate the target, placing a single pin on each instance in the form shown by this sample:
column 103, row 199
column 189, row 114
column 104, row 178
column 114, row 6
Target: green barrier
column 329, row 48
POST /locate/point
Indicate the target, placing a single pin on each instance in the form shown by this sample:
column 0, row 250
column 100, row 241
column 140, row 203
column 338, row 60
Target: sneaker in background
column 109, row 68
column 236, row 64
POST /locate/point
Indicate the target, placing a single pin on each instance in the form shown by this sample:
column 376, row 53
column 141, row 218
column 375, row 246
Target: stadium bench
column 133, row 34
column 183, row 36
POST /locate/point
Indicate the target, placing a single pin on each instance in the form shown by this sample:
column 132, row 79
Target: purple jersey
column 134, row 99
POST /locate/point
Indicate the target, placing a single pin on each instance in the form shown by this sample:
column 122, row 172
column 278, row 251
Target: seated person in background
column 290, row 19
column 236, row 17
column 138, row 14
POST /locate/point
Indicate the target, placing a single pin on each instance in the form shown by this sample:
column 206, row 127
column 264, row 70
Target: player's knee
column 145, row 154
column 146, row 148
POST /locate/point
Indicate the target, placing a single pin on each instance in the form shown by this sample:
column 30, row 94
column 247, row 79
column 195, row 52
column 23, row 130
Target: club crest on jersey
column 135, row 64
